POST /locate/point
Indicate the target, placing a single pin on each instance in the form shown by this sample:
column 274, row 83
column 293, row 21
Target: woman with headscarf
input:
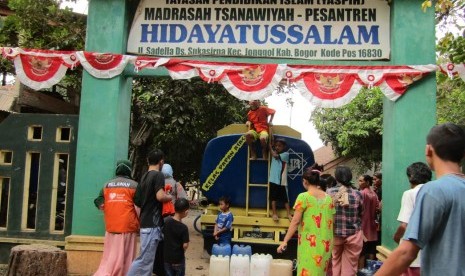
column 116, row 200
column 348, row 237
column 177, row 191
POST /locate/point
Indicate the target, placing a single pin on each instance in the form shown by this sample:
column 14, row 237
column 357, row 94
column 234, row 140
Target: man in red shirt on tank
column 258, row 125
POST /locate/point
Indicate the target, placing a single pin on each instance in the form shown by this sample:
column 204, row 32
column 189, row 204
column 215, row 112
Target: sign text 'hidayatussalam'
column 303, row 29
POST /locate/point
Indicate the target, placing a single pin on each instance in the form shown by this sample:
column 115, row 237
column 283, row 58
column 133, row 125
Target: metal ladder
column 260, row 185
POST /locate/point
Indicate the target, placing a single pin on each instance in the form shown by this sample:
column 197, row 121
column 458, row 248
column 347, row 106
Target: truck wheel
column 197, row 226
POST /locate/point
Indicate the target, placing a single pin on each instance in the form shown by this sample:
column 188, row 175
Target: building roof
column 8, row 96
column 325, row 156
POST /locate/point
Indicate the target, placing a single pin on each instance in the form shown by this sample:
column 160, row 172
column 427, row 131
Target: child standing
column 176, row 240
column 223, row 225
column 278, row 177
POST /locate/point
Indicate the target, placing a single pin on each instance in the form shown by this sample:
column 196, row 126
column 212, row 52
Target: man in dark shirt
column 150, row 195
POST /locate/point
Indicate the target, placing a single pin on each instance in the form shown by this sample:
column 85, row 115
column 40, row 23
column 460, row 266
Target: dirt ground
column 197, row 261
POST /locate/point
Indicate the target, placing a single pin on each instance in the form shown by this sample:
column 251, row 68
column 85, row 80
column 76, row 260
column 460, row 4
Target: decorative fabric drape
column 322, row 85
column 453, row 70
column 40, row 69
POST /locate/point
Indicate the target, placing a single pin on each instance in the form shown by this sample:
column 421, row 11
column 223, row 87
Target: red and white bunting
column 214, row 72
column 10, row 53
column 254, row 82
column 453, row 70
column 103, row 65
column 335, row 86
column 180, row 71
column 142, row 62
column 40, row 69
column 323, row 85
column 328, row 89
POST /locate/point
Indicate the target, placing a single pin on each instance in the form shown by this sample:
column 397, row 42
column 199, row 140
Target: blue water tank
column 224, row 170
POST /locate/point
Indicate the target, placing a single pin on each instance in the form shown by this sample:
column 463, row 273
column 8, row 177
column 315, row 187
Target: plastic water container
column 260, row 264
column 373, row 265
column 239, row 266
column 242, row 250
column 376, row 265
column 280, row 267
column 219, row 265
column 365, row 272
column 221, row 250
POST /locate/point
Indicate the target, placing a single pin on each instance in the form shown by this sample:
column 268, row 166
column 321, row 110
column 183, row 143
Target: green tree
column 179, row 117
column 447, row 11
column 354, row 130
column 451, row 48
column 451, row 92
column 43, row 25
column 451, row 100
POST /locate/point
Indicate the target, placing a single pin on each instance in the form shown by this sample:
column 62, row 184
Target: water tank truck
column 227, row 170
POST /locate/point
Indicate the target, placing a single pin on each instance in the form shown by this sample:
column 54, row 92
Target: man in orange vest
column 116, row 200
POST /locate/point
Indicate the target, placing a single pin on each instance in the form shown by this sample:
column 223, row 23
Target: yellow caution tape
column 223, row 163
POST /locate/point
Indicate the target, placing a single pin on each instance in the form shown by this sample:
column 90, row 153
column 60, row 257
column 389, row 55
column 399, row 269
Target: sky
column 297, row 117
column 80, row 6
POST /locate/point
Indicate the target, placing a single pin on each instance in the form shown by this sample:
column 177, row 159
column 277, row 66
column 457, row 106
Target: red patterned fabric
column 400, row 82
column 103, row 61
column 254, row 82
column 39, row 68
column 103, row 65
column 322, row 85
column 328, row 89
column 179, row 71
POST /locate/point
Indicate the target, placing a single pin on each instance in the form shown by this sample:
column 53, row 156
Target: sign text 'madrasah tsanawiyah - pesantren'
column 261, row 14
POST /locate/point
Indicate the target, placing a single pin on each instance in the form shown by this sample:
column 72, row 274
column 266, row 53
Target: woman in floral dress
column 313, row 217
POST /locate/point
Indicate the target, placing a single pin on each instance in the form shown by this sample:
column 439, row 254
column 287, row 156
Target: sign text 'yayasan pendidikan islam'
column 303, row 29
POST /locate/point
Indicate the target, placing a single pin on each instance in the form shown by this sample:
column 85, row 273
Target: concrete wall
column 15, row 139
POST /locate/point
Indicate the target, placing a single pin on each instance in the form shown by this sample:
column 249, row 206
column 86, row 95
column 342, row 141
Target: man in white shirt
column 418, row 173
